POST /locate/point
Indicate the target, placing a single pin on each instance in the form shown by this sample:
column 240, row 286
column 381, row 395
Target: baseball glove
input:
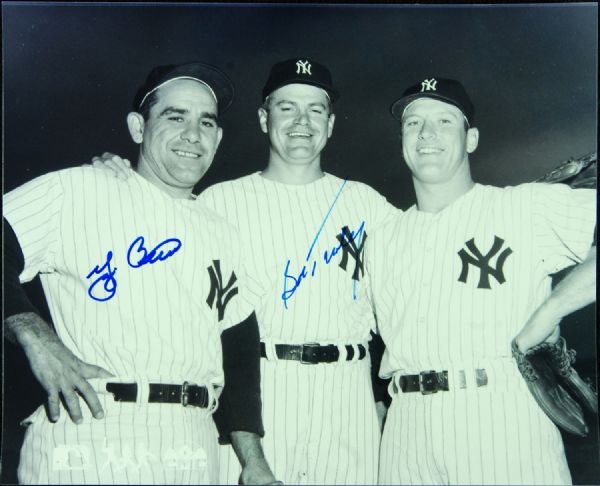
column 556, row 386
column 578, row 173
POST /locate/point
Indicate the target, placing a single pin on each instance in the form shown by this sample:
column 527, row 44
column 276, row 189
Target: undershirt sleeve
column 240, row 407
column 15, row 298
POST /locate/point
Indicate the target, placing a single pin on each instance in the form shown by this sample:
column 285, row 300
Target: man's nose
column 301, row 117
column 427, row 130
column 191, row 133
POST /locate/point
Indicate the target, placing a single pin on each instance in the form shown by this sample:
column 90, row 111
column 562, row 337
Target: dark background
column 70, row 72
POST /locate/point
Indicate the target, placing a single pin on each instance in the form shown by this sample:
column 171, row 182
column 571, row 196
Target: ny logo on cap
column 303, row 67
column 428, row 85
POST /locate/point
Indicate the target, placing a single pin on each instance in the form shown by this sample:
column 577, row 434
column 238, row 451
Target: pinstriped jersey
column 137, row 282
column 456, row 286
column 304, row 246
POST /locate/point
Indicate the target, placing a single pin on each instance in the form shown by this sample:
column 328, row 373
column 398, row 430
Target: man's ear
column 219, row 137
column 472, row 140
column 135, row 123
column 263, row 116
column 330, row 123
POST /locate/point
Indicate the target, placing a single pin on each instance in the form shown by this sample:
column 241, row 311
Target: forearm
column 248, row 449
column 26, row 329
column 573, row 292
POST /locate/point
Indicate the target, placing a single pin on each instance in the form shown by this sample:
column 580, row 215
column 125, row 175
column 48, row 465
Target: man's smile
column 297, row 134
column 429, row 150
column 186, row 154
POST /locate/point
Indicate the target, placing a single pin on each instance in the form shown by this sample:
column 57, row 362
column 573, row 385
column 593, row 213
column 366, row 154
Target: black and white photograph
column 299, row 243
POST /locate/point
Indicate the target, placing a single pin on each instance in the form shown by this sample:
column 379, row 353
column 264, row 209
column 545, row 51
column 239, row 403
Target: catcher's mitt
column 556, row 386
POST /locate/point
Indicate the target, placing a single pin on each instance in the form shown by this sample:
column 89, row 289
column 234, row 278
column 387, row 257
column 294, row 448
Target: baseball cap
column 218, row 83
column 303, row 71
column 448, row 90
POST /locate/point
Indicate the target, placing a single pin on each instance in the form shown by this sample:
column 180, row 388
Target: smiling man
column 455, row 279
column 298, row 120
column 133, row 272
column 315, row 319
column 305, row 236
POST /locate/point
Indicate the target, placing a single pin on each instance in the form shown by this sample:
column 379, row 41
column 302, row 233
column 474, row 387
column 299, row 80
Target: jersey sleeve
column 234, row 282
column 376, row 263
column 564, row 220
column 33, row 211
column 380, row 211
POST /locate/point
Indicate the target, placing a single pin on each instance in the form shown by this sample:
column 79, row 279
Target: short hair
column 147, row 105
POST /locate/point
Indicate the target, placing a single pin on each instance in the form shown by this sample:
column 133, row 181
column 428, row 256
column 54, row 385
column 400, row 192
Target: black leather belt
column 185, row 394
column 428, row 382
column 313, row 353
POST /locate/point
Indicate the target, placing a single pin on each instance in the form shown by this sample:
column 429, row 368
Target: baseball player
column 146, row 283
column 454, row 280
column 305, row 234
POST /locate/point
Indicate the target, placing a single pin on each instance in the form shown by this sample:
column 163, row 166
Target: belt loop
column 213, row 399
column 270, row 350
column 459, row 380
column 394, row 386
column 343, row 353
column 143, row 392
column 481, row 377
column 469, row 374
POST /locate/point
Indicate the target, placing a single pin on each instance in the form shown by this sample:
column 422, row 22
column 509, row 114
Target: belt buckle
column 307, row 346
column 428, row 382
column 185, row 394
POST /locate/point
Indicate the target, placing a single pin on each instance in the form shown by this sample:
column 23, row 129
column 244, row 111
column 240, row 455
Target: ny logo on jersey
column 483, row 262
column 348, row 244
column 303, row 67
column 428, row 85
column 219, row 294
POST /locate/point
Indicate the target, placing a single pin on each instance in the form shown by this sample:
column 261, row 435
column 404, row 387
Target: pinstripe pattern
column 154, row 444
column 157, row 328
column 471, row 437
column 431, row 320
column 320, row 422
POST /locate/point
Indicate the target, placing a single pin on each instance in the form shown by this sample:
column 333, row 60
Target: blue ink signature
column 140, row 257
column 294, row 281
column 155, row 255
column 110, row 282
column 345, row 241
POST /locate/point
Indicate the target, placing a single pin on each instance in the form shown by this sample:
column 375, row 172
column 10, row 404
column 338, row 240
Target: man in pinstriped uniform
column 305, row 234
column 454, row 280
column 147, row 284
